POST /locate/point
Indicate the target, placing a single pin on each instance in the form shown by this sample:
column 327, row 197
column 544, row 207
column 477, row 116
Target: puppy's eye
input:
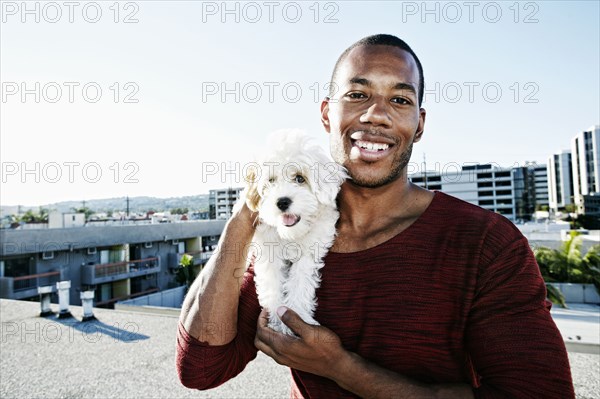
column 299, row 179
column 272, row 180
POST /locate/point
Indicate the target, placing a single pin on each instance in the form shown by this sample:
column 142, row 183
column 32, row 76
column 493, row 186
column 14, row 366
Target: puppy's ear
column 251, row 191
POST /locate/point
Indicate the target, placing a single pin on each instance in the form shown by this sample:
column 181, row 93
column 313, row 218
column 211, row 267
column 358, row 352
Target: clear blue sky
column 178, row 56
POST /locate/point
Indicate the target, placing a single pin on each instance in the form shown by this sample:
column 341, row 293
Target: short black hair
column 384, row 40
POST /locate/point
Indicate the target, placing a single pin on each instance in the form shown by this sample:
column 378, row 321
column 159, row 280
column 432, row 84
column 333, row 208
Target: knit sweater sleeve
column 201, row 366
column 513, row 343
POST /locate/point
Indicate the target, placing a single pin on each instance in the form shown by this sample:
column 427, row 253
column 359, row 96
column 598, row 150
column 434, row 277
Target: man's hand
column 316, row 349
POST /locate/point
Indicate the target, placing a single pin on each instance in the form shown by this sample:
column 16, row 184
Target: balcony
column 199, row 257
column 107, row 272
column 26, row 286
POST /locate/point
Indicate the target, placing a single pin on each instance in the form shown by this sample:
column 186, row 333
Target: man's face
column 374, row 117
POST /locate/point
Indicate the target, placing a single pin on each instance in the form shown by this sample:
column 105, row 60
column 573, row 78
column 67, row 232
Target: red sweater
column 456, row 297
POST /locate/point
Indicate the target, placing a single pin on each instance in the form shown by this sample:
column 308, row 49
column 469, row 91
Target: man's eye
column 400, row 100
column 299, row 179
column 356, row 95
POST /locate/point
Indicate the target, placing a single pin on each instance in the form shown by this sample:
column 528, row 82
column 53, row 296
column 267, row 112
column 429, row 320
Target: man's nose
column 377, row 115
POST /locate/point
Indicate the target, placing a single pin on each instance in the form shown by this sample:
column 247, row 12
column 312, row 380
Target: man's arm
column 319, row 351
column 210, row 310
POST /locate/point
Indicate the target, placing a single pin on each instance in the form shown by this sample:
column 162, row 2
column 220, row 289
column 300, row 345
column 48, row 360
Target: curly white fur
column 294, row 191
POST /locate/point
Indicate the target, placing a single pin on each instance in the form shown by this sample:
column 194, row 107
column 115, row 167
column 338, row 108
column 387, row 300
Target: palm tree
column 566, row 265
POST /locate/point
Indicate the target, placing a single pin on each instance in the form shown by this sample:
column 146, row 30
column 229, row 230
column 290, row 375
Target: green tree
column 179, row 211
column 32, row 217
column 185, row 273
column 567, row 265
column 586, row 222
column 85, row 210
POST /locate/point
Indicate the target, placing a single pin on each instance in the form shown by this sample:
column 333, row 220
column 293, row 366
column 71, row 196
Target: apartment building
column 585, row 152
column 540, row 177
column 118, row 262
column 560, row 180
column 221, row 202
column 508, row 191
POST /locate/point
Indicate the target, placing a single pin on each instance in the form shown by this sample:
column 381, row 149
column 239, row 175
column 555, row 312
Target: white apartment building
column 221, row 202
column 585, row 152
column 483, row 185
column 508, row 191
column 540, row 173
column 560, row 180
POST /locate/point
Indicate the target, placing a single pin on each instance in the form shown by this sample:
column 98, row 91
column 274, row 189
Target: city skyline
column 145, row 98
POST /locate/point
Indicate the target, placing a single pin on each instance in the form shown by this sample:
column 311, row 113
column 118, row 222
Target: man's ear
column 325, row 114
column 421, row 126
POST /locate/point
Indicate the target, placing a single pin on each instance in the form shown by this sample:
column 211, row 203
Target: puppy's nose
column 283, row 203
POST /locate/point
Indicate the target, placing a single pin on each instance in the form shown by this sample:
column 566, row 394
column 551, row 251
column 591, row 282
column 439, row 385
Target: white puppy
column 294, row 191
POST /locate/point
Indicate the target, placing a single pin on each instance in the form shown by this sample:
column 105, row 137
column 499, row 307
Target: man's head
column 374, row 114
column 382, row 40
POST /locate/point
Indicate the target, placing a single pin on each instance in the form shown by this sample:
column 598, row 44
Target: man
column 422, row 295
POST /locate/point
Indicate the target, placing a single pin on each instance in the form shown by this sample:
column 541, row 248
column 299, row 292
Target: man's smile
column 368, row 147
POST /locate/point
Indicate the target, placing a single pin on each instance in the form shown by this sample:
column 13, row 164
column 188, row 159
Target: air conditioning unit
column 147, row 245
column 48, row 255
column 175, row 242
column 92, row 251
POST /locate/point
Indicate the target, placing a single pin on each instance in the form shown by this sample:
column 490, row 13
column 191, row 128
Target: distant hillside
column 136, row 204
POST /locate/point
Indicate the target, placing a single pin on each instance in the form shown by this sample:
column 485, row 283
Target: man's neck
column 369, row 216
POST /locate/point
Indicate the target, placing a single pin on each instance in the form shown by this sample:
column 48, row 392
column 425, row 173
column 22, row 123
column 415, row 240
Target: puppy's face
column 287, row 200
column 291, row 185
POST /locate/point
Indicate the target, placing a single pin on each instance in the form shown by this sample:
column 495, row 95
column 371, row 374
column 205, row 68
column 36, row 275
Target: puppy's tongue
column 289, row 219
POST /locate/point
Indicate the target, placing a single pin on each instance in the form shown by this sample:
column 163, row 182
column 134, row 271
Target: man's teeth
column 372, row 146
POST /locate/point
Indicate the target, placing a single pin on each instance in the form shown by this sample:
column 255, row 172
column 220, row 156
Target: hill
column 136, row 204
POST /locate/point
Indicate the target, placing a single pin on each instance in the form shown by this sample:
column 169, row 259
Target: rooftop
column 127, row 354
column 19, row 242
column 120, row 355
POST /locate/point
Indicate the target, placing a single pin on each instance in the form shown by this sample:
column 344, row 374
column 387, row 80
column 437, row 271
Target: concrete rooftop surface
column 127, row 354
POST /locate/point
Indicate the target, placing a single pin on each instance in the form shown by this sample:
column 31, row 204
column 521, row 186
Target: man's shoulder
column 457, row 211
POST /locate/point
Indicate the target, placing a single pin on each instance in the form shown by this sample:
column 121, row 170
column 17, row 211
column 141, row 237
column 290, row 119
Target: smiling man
column 422, row 295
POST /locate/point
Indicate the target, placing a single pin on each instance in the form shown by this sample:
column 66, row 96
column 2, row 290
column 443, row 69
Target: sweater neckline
column 437, row 197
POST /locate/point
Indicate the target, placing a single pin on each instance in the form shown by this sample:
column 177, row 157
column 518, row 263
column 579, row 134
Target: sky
column 153, row 98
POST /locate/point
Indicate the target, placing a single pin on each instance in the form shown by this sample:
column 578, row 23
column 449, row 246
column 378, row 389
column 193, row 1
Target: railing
column 111, row 269
column 122, row 298
column 31, row 281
